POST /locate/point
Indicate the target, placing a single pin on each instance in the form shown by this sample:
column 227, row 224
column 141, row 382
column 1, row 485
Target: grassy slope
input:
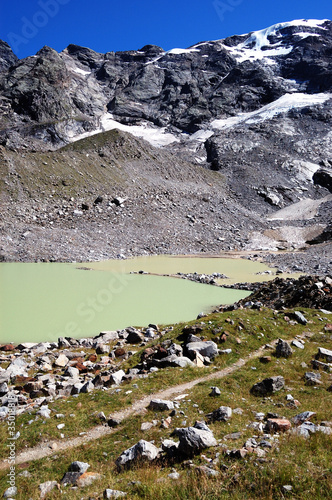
column 304, row 464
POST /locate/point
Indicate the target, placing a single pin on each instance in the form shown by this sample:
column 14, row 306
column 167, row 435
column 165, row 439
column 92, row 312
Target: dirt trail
column 47, row 449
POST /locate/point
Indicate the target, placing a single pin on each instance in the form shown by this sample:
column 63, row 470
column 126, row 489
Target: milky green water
column 41, row 302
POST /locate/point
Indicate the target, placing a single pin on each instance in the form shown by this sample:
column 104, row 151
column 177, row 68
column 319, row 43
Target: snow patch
column 181, row 51
column 157, row 137
column 281, row 105
column 80, row 71
column 258, row 45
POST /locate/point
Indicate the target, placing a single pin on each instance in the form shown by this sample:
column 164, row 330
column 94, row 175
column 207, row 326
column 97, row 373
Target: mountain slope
column 254, row 108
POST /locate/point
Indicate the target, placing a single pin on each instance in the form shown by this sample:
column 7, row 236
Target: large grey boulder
column 174, row 360
column 141, row 451
column 134, row 336
column 195, row 439
column 161, row 405
column 222, row 414
column 283, row 349
column 268, row 386
column 208, row 348
column 116, row 377
column 325, row 354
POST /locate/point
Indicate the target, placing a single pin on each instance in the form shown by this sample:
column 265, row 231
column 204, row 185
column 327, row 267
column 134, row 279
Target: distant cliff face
column 55, row 97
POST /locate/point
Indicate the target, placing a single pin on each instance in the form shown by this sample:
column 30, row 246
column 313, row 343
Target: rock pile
column 307, row 291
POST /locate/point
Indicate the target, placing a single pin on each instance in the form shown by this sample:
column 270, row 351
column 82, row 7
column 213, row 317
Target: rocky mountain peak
column 7, row 56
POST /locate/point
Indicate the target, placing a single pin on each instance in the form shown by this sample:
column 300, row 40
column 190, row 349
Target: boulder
column 312, row 378
column 324, row 354
column 283, row 349
column 215, row 391
column 61, row 361
column 300, row 318
column 161, row 405
column 134, row 337
column 87, row 478
column 222, row 414
column 268, row 386
column 174, row 360
column 195, row 439
column 303, row 417
column 116, row 377
column 208, row 348
column 277, row 425
column 141, row 451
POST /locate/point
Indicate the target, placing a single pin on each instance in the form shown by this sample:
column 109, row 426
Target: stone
column 287, row 488
column 233, row 436
column 87, row 478
column 70, row 478
column 265, row 359
column 324, row 354
column 206, row 471
column 78, row 467
column 71, row 372
column 277, row 425
column 174, row 475
column 303, row 417
column 268, row 386
column 3, row 388
column 298, row 344
column 222, row 414
column 300, row 318
column 10, row 492
column 116, row 377
column 61, row 361
column 175, row 349
column 208, row 348
column 108, row 493
column 87, row 387
column 108, row 336
column 239, row 453
column 47, row 487
column 62, row 342
column 283, row 349
column 175, row 361
column 134, row 337
column 312, row 378
column 193, row 440
column 143, row 450
column 146, row 426
column 102, row 349
column 44, row 412
column 161, row 405
column 7, row 348
column 319, row 365
column 215, row 391
column 113, row 422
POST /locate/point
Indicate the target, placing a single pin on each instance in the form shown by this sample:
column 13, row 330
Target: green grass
column 305, row 464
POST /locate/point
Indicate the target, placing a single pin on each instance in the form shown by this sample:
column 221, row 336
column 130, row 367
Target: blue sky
column 109, row 25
